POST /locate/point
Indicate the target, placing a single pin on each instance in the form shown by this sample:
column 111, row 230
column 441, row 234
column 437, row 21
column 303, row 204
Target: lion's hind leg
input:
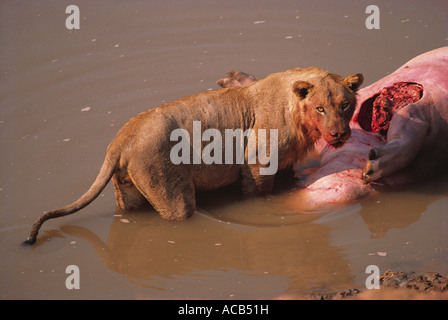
column 127, row 196
column 169, row 189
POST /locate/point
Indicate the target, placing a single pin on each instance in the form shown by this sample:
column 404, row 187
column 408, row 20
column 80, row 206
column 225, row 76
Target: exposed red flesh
column 376, row 112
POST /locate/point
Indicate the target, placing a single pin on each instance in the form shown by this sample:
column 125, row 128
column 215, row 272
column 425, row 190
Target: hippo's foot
column 366, row 173
column 371, row 170
column 236, row 78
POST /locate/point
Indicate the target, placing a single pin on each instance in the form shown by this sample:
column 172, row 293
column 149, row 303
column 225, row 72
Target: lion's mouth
column 337, row 144
column 339, row 141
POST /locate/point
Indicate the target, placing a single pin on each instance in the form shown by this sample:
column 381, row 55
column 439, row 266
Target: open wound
column 377, row 111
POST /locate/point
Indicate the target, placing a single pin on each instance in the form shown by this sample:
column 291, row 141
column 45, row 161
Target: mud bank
column 396, row 285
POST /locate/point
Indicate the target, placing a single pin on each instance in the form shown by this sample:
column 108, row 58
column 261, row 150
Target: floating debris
column 86, row 109
column 380, row 253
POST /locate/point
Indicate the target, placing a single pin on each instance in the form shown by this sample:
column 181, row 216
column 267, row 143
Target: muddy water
column 65, row 93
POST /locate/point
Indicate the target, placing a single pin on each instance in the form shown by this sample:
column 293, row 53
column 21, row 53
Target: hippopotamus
column 399, row 136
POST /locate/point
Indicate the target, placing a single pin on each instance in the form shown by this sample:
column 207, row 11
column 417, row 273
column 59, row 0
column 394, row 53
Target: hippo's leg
column 407, row 132
column 236, row 78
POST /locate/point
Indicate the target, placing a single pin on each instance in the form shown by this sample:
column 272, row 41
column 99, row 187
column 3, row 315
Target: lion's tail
column 105, row 174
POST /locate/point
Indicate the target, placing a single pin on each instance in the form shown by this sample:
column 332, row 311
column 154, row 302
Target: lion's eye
column 345, row 106
column 320, row 109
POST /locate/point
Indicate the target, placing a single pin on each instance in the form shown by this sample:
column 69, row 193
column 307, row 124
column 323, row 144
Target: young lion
column 301, row 104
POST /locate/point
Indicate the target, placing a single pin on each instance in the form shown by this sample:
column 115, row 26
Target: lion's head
column 326, row 103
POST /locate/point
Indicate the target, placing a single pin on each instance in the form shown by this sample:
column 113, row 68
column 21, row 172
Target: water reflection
column 401, row 208
column 251, row 237
column 142, row 246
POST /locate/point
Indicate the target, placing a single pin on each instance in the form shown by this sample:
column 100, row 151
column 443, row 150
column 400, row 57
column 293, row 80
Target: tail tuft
column 29, row 241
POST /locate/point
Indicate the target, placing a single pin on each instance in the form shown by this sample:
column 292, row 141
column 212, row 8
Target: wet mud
column 395, row 286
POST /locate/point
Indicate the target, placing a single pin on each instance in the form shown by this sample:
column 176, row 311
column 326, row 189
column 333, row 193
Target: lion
column 301, row 105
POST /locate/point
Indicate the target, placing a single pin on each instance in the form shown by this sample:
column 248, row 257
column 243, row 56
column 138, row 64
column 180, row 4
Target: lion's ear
column 302, row 88
column 354, row 81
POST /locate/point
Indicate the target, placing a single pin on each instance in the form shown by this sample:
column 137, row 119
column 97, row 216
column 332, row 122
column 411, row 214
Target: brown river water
column 65, row 93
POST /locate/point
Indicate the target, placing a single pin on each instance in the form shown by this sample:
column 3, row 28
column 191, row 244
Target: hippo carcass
column 399, row 136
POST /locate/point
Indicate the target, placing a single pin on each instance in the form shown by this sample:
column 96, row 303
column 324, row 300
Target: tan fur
column 138, row 159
